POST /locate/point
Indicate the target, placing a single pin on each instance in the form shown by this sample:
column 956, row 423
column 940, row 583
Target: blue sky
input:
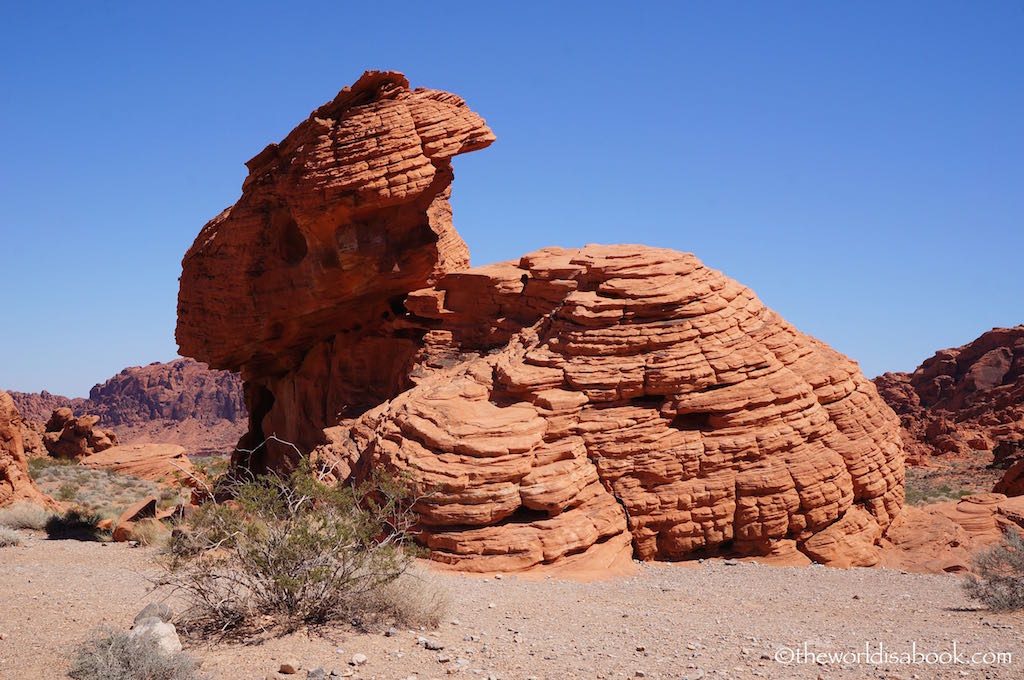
column 859, row 165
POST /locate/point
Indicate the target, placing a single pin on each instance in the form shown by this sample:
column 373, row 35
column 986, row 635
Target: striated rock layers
column 574, row 406
column 15, row 482
column 964, row 399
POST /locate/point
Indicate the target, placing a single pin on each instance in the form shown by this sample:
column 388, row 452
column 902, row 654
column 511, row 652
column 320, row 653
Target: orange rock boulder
column 946, row 536
column 1012, row 483
column 15, row 482
column 574, row 406
column 70, row 436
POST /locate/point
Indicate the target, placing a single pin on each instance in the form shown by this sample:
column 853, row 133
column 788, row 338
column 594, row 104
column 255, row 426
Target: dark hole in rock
column 700, row 422
column 397, row 305
column 292, row 242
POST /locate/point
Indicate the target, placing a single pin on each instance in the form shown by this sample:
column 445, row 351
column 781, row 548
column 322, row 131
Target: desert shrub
column 169, row 496
column 39, row 463
column 211, row 467
column 67, row 492
column 999, row 583
column 24, row 515
column 149, row 532
column 412, row 600
column 9, row 537
column 290, row 550
column 76, row 525
column 114, row 655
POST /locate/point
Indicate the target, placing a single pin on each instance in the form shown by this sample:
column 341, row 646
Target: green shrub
column 24, row 515
column 39, row 463
column 9, row 537
column 291, row 550
column 999, row 583
column 113, row 655
column 67, row 492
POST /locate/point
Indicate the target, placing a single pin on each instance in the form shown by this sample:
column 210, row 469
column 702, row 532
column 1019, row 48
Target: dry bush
column 290, row 550
column 999, row 583
column 113, row 655
column 413, row 600
column 150, row 532
column 9, row 537
column 24, row 515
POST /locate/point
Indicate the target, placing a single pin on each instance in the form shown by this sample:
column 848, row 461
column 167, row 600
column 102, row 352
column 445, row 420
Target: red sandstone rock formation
column 1012, row 483
column 962, row 400
column 15, row 483
column 944, row 537
column 577, row 405
column 181, row 401
column 156, row 462
column 68, row 436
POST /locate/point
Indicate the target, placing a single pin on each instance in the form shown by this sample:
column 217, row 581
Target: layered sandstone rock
column 962, row 400
column 74, row 437
column 15, row 482
column 945, row 537
column 156, row 462
column 576, row 405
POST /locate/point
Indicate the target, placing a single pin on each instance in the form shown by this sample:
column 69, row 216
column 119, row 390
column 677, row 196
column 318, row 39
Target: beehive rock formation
column 15, row 482
column 576, row 405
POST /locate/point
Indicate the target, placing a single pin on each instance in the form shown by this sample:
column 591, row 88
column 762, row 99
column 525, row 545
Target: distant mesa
column 574, row 408
column 181, row 401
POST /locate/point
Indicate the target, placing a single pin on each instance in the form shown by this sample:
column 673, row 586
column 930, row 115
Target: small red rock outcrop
column 15, row 482
column 74, row 437
column 962, row 400
column 1012, row 483
column 576, row 405
column 945, row 537
column 155, row 462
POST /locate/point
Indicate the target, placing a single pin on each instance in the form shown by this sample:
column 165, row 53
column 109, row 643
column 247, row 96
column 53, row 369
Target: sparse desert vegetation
column 100, row 492
column 293, row 550
column 116, row 655
column 999, row 583
column 24, row 515
column 951, row 481
column 9, row 537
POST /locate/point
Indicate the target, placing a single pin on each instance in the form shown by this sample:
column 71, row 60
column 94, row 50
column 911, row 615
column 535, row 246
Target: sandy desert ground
column 715, row 619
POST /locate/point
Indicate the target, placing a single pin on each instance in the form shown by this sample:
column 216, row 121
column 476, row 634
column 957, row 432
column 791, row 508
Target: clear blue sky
column 859, row 165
